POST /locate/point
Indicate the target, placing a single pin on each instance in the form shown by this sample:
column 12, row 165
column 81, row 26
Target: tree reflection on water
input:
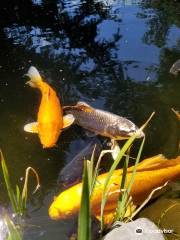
column 160, row 15
column 81, row 43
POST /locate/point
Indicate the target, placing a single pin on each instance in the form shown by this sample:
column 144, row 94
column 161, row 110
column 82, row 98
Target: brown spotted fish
column 102, row 122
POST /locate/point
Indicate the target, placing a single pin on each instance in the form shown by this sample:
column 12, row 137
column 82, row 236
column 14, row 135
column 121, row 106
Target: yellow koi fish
column 50, row 120
column 151, row 173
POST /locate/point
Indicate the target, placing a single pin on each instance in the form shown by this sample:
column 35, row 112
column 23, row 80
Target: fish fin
column 176, row 113
column 90, row 134
column 81, row 106
column 35, row 77
column 83, row 103
column 84, row 107
column 68, row 120
column 116, row 149
column 31, row 127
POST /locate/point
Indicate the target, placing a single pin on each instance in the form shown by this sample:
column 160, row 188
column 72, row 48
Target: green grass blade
column 135, row 166
column 91, row 171
column 107, row 180
column 18, row 198
column 125, row 167
column 94, row 174
column 116, row 162
column 123, row 182
column 84, row 221
column 9, row 188
column 24, row 194
column 124, row 199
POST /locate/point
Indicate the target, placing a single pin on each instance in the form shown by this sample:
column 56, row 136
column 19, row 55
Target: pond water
column 113, row 54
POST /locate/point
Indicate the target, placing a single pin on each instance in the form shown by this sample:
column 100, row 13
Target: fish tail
column 35, row 77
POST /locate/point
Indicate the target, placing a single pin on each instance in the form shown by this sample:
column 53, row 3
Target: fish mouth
column 139, row 133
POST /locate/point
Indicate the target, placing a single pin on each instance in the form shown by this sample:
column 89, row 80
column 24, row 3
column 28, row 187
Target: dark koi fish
column 102, row 122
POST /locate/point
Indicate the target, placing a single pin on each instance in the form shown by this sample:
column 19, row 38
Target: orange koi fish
column 151, row 173
column 50, row 120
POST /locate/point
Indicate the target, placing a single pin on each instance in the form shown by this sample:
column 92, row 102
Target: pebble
column 140, row 229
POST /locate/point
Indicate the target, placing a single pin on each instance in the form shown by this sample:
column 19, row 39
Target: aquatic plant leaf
column 25, row 187
column 90, row 170
column 19, row 200
column 148, row 199
column 110, row 173
column 9, row 188
column 13, row 232
column 84, row 221
column 122, row 204
column 123, row 182
column 115, row 164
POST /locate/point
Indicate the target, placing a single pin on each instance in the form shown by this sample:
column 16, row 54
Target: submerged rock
column 165, row 212
column 3, row 229
column 140, row 229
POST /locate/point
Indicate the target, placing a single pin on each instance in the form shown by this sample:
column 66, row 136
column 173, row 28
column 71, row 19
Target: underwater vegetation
column 13, row 221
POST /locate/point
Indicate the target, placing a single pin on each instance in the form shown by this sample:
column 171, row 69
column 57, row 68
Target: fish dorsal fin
column 68, row 120
column 33, row 73
column 79, row 103
column 35, row 77
column 115, row 150
column 31, row 127
column 80, row 106
column 90, row 134
column 84, row 107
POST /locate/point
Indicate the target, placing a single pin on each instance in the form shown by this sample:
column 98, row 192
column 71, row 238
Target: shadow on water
column 115, row 55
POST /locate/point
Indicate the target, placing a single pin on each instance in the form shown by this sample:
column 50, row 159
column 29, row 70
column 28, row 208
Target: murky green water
column 115, row 55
